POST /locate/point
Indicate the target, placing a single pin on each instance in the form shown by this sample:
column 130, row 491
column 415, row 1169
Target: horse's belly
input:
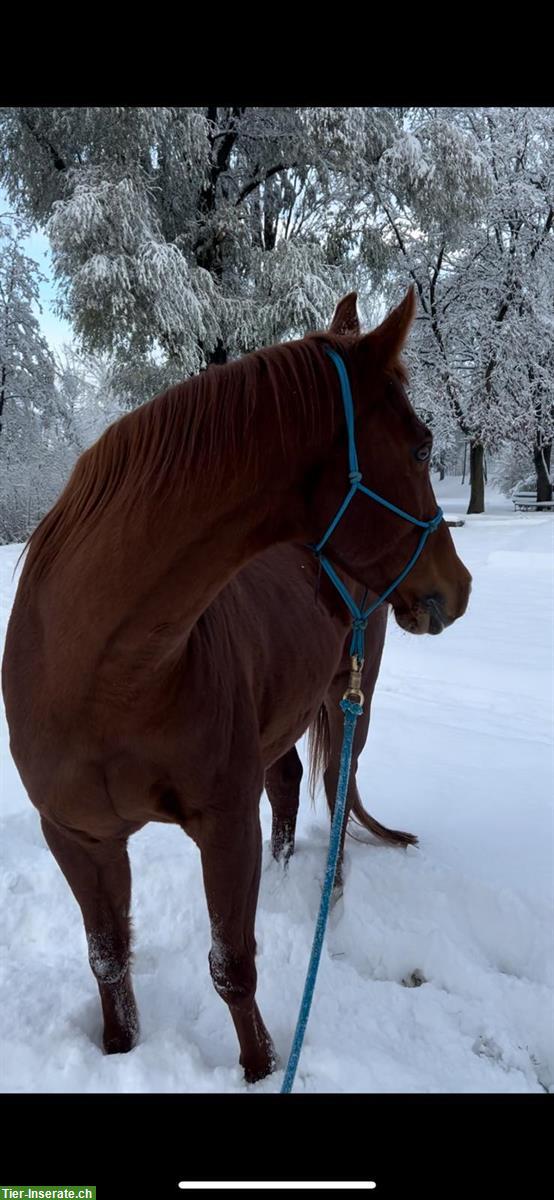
column 274, row 747
column 293, row 700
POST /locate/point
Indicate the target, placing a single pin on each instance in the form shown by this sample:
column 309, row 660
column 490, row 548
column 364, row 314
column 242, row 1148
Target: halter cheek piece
column 360, row 616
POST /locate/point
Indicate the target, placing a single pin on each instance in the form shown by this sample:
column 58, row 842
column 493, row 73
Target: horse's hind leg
column 100, row 879
column 282, row 784
column 231, row 849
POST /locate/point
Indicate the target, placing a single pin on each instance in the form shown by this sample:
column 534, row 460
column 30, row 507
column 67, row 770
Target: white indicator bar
column 272, row 1185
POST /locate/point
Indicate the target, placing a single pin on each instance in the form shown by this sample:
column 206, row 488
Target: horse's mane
column 180, row 438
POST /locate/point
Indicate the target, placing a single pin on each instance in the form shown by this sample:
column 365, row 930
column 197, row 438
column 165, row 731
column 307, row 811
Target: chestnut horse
column 131, row 696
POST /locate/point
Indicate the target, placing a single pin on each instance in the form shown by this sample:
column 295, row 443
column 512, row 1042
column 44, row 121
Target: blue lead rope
column 351, row 709
column 351, row 713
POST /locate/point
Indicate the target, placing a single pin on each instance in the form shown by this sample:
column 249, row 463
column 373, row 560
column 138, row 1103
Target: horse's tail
column 319, row 749
column 319, row 753
column 391, row 837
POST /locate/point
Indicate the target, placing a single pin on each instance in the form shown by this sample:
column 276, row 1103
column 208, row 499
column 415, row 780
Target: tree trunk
column 541, row 458
column 465, row 463
column 477, row 478
column 2, row 394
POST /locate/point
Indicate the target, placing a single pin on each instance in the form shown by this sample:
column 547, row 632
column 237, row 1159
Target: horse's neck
column 248, row 498
column 155, row 577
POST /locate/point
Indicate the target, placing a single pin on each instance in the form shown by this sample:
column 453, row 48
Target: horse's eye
column 423, row 454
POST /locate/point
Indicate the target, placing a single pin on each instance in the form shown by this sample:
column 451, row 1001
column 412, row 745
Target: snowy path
column 459, row 752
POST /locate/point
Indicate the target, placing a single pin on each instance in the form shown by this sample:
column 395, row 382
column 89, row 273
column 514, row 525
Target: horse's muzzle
column 427, row 615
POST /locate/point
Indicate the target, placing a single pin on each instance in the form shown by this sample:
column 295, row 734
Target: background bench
column 528, row 500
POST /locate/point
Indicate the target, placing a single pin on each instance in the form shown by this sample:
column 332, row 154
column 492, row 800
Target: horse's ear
column 388, row 340
column 345, row 319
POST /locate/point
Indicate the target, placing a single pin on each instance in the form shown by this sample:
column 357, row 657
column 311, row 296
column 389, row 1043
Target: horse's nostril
column 435, row 604
column 437, row 615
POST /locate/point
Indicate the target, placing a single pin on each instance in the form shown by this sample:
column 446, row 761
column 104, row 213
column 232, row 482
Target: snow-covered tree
column 184, row 236
column 26, row 364
column 512, row 465
column 28, row 407
column 424, row 200
column 87, row 399
column 50, row 409
column 197, row 233
column 86, row 402
column 463, row 206
column 508, row 287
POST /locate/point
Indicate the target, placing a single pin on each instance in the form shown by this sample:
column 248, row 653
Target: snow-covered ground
column 460, row 752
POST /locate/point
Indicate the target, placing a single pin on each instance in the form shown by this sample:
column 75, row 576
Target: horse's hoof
column 282, row 840
column 282, row 849
column 282, row 852
column 261, row 1070
column 120, row 1043
column 256, row 1073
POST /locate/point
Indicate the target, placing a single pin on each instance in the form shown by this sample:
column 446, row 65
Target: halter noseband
column 360, row 616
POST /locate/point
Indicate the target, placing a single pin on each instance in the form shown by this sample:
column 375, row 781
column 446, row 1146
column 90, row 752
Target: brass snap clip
column 354, row 689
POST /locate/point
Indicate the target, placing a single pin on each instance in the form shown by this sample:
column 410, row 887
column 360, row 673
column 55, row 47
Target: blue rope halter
column 355, row 476
column 351, row 703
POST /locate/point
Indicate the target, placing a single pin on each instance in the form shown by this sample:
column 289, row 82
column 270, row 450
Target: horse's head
column 370, row 542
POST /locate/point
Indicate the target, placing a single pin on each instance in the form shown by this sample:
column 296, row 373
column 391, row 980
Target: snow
column 438, row 968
